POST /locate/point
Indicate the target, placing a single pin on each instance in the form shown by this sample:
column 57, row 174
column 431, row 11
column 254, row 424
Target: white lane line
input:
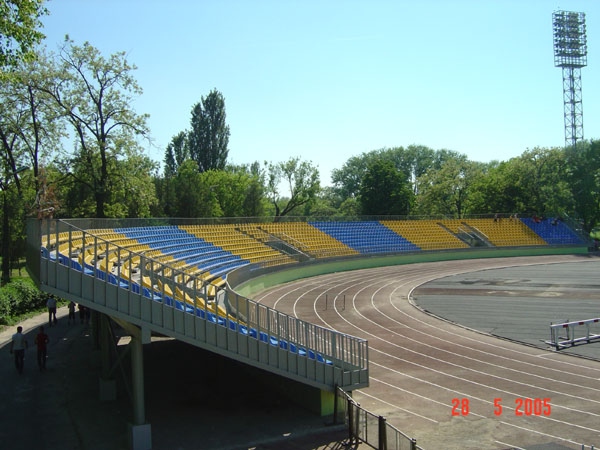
column 529, row 430
column 438, row 360
column 472, row 397
column 396, row 407
column 512, row 447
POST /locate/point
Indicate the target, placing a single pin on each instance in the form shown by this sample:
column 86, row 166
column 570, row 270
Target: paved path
column 56, row 409
column 193, row 401
column 448, row 386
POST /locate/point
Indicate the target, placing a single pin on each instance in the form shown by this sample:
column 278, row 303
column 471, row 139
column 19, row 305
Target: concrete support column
column 140, row 432
column 107, row 385
column 137, row 375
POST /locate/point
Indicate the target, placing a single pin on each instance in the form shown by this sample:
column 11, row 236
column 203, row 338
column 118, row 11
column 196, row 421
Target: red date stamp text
column 521, row 407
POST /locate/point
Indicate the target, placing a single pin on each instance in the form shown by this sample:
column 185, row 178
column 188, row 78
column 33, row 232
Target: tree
column 132, row 187
column 541, row 178
column 34, row 120
column 418, row 159
column 95, row 96
column 254, row 200
column 300, row 178
column 583, row 176
column 496, row 190
column 237, row 192
column 176, row 153
column 412, row 162
column 209, row 136
column 347, row 179
column 326, row 204
column 19, row 30
column 384, row 190
column 195, row 197
column 445, row 190
column 248, row 181
column 28, row 131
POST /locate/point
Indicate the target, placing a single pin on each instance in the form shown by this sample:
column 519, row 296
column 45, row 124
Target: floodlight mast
column 570, row 53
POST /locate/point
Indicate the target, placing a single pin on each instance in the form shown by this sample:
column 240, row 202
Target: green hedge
column 19, row 298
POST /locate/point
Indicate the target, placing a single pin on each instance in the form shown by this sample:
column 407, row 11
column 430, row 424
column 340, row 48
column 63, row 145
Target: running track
column 423, row 369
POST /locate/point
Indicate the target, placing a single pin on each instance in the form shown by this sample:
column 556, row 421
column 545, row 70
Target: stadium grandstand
column 191, row 280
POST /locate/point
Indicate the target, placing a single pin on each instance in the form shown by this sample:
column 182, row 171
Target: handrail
column 230, row 324
column 366, row 427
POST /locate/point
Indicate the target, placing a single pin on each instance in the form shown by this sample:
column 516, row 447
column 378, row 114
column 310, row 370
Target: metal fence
column 156, row 221
column 368, row 428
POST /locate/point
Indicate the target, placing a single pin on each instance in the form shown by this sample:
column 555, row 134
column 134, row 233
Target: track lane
column 421, row 365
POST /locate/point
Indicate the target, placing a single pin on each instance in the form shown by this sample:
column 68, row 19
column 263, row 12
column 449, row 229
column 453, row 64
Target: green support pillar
column 140, row 431
column 107, row 384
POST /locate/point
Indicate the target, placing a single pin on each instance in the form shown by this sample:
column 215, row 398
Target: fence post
column 335, row 405
column 350, row 421
column 382, row 433
column 413, row 444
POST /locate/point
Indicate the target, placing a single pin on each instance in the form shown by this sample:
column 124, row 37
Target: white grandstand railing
column 239, row 328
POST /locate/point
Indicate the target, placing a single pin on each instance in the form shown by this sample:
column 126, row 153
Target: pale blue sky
column 327, row 80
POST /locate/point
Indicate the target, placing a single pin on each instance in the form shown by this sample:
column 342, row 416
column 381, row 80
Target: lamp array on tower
column 570, row 53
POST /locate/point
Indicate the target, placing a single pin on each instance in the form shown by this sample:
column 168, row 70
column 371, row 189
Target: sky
column 328, row 80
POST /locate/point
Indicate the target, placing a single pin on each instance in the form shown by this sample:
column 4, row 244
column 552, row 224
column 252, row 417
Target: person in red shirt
column 41, row 341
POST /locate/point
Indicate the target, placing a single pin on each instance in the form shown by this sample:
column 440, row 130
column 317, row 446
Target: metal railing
column 231, row 325
column 589, row 331
column 368, row 428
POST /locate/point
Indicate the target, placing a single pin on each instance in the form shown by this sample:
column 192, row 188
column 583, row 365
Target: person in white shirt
column 51, row 304
column 17, row 347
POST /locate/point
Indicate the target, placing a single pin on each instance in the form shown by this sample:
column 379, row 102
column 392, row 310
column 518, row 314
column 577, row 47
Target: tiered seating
column 199, row 257
column 305, row 238
column 501, row 232
column 366, row 237
column 65, row 241
column 506, row 232
column 553, row 231
column 189, row 253
column 232, row 239
column 173, row 246
column 427, row 234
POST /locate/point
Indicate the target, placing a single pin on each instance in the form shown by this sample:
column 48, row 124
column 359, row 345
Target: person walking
column 81, row 309
column 51, row 304
column 41, row 341
column 71, row 313
column 17, row 347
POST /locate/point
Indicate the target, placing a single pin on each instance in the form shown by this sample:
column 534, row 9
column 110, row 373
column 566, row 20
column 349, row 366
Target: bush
column 18, row 298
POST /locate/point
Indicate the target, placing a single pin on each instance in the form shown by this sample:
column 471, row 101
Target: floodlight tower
column 570, row 53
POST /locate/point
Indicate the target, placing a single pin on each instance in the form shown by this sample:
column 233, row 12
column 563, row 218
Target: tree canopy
column 208, row 138
column 95, row 96
column 384, row 190
column 19, row 30
column 291, row 184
